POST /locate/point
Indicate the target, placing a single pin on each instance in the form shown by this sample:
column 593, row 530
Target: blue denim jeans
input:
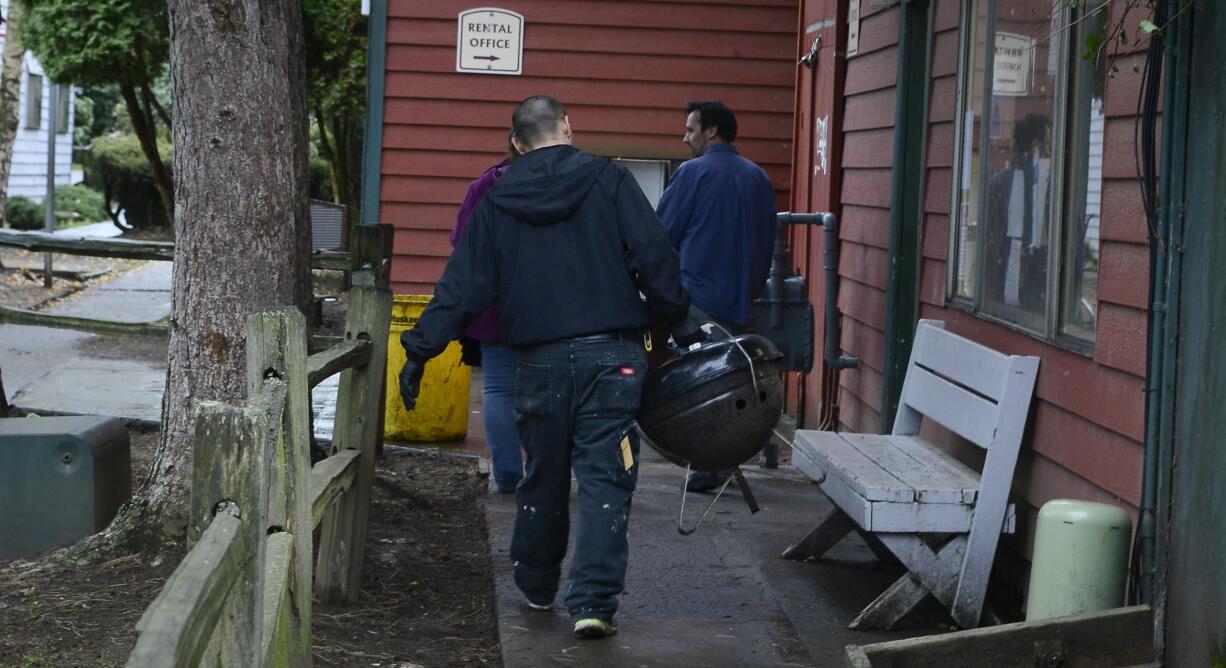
column 576, row 401
column 498, row 413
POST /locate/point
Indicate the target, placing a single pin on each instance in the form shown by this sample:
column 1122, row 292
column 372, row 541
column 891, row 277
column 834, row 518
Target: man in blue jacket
column 719, row 210
column 563, row 244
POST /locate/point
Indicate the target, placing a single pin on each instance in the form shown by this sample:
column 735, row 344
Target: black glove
column 470, row 351
column 410, row 381
column 688, row 330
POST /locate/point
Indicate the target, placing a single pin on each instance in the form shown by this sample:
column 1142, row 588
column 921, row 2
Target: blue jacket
column 719, row 210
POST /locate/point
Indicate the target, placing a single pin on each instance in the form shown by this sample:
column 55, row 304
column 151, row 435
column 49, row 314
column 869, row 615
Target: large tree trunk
column 10, row 94
column 241, row 227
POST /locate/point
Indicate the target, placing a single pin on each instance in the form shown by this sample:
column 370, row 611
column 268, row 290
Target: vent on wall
column 329, row 222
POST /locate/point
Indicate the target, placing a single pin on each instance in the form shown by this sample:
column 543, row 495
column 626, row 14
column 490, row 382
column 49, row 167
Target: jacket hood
column 547, row 185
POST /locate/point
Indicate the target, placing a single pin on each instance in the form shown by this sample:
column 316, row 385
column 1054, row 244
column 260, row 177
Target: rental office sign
column 490, row 41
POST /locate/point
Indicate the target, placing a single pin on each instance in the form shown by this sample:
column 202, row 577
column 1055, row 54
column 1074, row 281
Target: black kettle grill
column 713, row 408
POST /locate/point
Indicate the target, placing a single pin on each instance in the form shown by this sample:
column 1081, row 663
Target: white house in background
column 28, row 177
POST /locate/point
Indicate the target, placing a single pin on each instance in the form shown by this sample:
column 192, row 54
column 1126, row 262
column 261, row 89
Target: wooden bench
column 905, row 496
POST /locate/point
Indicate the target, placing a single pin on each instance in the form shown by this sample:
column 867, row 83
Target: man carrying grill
column 564, row 243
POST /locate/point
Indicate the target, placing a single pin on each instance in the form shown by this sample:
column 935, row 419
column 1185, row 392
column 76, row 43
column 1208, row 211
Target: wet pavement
column 719, row 597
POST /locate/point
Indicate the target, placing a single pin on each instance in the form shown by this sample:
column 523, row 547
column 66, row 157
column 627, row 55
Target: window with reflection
column 1029, row 166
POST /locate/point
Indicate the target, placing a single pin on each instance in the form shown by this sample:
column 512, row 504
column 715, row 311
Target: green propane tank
column 1080, row 559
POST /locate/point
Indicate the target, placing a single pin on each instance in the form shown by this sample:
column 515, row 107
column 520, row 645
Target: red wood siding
column 868, row 158
column 624, row 70
column 1087, row 429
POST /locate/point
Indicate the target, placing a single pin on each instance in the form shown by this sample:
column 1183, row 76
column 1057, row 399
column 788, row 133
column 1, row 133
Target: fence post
column 342, row 544
column 277, row 346
column 232, row 449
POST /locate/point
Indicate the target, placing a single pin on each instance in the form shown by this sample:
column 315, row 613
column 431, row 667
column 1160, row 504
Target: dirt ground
column 427, row 593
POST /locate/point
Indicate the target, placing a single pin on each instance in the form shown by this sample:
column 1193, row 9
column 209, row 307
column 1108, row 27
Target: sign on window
column 1012, row 65
column 490, row 41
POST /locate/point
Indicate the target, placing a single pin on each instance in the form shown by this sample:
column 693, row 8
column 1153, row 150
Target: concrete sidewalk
column 721, row 597
column 51, row 370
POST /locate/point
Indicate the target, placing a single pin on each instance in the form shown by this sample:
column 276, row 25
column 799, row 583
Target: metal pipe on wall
column 834, row 358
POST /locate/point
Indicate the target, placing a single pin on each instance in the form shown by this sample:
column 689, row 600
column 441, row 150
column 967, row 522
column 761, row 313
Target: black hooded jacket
column 564, row 242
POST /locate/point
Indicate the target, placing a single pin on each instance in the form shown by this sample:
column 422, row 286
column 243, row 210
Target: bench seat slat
column 935, row 476
column 838, row 458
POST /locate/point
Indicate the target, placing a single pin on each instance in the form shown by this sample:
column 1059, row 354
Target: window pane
column 1080, row 298
column 34, row 102
column 1017, row 214
column 61, row 120
column 966, row 209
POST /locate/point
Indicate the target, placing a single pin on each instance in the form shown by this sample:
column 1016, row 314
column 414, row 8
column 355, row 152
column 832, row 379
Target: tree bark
column 241, row 215
column 10, row 94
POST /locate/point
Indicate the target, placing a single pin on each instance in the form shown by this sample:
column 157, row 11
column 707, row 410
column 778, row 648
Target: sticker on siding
column 853, row 27
column 821, row 145
column 489, row 41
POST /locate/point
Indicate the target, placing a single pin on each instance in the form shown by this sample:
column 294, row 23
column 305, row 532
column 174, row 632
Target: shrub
column 81, row 200
column 23, row 213
column 117, row 167
column 321, row 180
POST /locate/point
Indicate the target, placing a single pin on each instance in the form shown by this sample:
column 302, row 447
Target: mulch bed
column 427, row 594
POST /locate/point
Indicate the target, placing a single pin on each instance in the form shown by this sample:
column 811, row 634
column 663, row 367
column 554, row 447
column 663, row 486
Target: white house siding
column 28, row 176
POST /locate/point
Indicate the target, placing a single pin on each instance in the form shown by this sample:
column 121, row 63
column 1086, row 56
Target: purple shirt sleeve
column 485, row 327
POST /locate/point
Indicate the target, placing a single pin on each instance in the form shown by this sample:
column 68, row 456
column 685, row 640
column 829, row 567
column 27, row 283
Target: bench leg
column 883, row 553
column 892, row 605
column 822, row 538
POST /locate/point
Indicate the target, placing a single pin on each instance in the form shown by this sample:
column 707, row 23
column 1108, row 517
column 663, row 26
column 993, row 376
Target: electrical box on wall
column 61, row 479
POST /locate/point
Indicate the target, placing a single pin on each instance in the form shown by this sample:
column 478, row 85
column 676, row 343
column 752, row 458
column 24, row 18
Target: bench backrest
column 970, row 389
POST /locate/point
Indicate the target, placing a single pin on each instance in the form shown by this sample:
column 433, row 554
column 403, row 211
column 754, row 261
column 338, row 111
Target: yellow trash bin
column 442, row 407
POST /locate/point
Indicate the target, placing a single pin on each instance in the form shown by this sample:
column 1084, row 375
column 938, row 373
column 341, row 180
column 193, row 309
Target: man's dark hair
column 714, row 113
column 1029, row 132
column 536, row 118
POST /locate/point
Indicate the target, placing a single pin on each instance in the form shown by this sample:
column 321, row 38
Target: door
column 1195, row 621
column 815, row 183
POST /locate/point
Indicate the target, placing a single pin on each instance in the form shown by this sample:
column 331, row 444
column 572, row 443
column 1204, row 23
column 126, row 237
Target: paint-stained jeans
column 575, row 403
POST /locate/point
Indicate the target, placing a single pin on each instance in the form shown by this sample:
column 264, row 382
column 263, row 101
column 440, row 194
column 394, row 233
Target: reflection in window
column 1029, row 167
column 1080, row 299
column 1017, row 214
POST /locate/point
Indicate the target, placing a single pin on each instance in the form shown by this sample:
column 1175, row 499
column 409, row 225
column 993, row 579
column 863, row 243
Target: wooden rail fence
column 242, row 594
column 43, row 242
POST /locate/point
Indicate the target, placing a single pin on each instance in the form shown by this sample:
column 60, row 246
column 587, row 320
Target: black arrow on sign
column 489, row 58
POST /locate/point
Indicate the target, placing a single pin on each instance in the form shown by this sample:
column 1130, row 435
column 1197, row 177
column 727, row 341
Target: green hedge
column 117, row 167
column 23, row 213
column 81, row 200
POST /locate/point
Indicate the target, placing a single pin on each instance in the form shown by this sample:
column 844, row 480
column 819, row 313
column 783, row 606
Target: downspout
column 372, row 136
column 1165, row 286
column 906, row 203
column 834, row 358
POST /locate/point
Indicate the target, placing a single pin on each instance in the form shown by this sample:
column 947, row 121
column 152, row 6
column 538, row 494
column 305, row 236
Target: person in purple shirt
column 719, row 209
column 497, row 360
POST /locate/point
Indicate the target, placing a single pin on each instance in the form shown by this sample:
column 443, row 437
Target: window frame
column 1063, row 180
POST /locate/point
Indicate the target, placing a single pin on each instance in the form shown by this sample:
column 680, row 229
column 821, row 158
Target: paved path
column 719, row 598
column 50, row 370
